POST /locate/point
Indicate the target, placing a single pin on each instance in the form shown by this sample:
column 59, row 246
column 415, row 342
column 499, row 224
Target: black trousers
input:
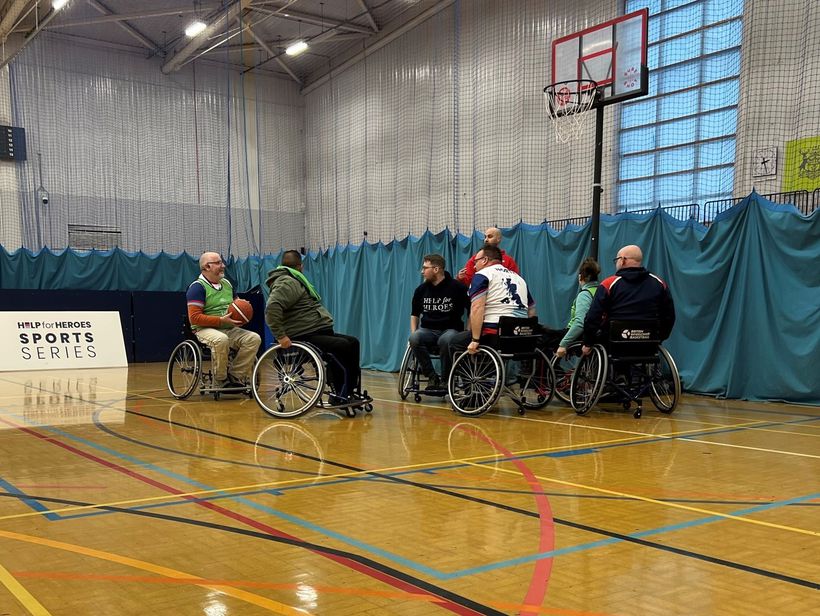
column 343, row 367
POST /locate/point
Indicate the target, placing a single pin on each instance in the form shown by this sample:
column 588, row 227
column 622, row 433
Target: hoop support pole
column 597, row 189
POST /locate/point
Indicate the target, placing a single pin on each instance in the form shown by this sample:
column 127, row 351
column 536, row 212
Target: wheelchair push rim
column 288, row 382
column 538, row 387
column 588, row 380
column 475, row 382
column 184, row 369
column 665, row 385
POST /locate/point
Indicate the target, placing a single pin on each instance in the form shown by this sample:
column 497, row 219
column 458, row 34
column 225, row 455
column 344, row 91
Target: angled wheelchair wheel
column 475, row 382
column 588, row 380
column 288, row 382
column 665, row 387
column 538, row 384
column 407, row 373
column 184, row 369
column 563, row 368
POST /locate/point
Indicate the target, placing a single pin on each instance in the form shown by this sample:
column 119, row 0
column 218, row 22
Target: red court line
column 537, row 590
column 342, row 560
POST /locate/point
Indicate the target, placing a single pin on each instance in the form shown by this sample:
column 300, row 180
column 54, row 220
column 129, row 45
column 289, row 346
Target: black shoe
column 232, row 383
column 433, row 383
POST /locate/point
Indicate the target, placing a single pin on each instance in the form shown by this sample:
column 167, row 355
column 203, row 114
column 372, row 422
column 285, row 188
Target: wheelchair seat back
column 634, row 340
column 518, row 336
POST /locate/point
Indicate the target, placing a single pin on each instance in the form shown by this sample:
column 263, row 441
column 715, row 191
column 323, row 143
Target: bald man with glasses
column 209, row 297
column 633, row 293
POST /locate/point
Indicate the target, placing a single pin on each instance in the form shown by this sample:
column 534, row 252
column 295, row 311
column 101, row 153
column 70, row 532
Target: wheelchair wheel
column 184, row 369
column 475, row 382
column 288, row 382
column 665, row 390
column 407, row 373
column 537, row 387
column 588, row 380
column 563, row 368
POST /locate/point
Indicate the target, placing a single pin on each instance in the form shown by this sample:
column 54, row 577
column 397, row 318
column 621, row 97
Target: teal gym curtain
column 746, row 289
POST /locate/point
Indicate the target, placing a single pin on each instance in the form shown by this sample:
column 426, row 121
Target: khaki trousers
column 220, row 341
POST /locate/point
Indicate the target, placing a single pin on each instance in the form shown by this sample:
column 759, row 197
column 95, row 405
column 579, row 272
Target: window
column 677, row 143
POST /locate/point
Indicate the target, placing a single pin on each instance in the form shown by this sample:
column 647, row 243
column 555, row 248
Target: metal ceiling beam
column 369, row 15
column 219, row 22
column 132, row 16
column 314, row 20
column 45, row 21
column 128, row 28
column 9, row 19
column 272, row 53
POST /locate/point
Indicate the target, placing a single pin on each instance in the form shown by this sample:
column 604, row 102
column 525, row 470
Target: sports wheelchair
column 189, row 368
column 564, row 367
column 289, row 382
column 629, row 366
column 411, row 378
column 476, row 381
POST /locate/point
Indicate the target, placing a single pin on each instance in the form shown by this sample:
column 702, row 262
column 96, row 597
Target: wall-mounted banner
column 802, row 170
column 48, row 340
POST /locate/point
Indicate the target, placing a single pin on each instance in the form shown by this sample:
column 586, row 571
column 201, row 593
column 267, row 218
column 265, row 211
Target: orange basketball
column 241, row 310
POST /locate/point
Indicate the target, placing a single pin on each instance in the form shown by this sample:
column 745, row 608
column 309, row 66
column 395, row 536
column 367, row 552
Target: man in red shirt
column 492, row 236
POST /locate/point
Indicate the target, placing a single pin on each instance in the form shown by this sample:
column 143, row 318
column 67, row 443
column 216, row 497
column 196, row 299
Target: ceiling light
column 58, row 4
column 296, row 48
column 194, row 28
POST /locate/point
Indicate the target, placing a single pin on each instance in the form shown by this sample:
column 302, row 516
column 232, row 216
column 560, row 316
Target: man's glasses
column 427, row 267
column 214, row 263
column 616, row 259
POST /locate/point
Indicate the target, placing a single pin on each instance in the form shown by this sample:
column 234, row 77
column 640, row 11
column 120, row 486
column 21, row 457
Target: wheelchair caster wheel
column 638, row 412
column 521, row 411
column 368, row 408
column 417, row 397
column 350, row 412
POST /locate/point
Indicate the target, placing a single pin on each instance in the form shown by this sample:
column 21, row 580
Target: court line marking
column 19, row 592
column 392, row 577
column 338, row 590
column 670, row 436
column 333, row 477
column 242, row 595
column 790, row 453
column 58, row 431
column 655, row 501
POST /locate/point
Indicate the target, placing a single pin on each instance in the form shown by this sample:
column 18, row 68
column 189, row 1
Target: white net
column 567, row 104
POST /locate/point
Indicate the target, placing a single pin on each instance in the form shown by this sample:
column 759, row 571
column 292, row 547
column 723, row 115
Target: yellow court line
column 788, row 453
column 19, row 592
column 242, row 595
column 647, row 499
column 329, row 478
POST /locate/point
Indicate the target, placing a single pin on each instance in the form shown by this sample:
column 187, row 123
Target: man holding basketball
column 209, row 298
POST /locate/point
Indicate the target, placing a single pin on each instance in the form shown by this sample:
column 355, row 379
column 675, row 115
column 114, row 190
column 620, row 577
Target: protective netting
column 200, row 159
column 445, row 126
column 440, row 127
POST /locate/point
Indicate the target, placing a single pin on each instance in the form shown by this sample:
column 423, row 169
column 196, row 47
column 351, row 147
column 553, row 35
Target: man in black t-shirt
column 437, row 315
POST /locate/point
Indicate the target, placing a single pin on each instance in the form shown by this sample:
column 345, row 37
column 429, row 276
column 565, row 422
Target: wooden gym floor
column 117, row 499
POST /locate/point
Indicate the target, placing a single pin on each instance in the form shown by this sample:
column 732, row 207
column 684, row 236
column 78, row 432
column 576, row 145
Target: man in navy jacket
column 632, row 293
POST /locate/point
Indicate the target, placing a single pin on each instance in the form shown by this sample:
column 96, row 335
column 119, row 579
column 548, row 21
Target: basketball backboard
column 612, row 54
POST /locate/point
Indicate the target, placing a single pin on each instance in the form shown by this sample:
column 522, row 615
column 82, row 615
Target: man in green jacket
column 295, row 313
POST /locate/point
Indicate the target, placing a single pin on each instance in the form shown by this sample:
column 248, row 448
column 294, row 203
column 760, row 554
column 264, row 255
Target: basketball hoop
column 567, row 103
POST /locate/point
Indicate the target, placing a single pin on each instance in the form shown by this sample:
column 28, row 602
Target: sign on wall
column 802, row 169
column 49, row 340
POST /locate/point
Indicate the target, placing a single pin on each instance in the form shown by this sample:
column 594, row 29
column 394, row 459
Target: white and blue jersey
column 506, row 294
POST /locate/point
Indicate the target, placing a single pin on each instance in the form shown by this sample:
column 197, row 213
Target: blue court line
column 34, row 504
column 253, row 505
column 367, row 547
column 612, row 540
